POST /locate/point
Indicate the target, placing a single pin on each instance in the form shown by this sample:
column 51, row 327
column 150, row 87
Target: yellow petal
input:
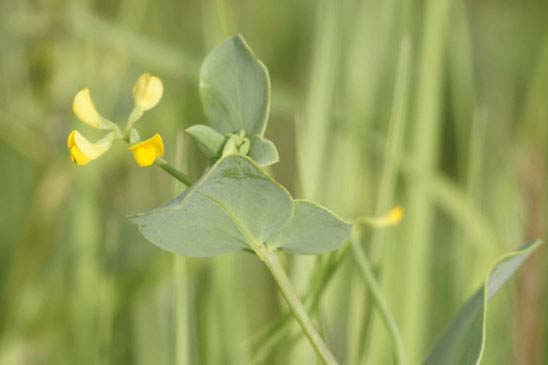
column 78, row 157
column 70, row 139
column 85, row 110
column 147, row 151
column 395, row 216
column 83, row 151
column 147, row 91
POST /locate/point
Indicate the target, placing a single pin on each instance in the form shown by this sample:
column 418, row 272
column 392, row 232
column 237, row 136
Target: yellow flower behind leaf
column 147, row 91
column 393, row 218
column 85, row 110
column 146, row 152
column 83, row 151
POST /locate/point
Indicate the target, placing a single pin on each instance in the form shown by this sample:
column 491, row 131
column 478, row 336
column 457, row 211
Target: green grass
column 438, row 106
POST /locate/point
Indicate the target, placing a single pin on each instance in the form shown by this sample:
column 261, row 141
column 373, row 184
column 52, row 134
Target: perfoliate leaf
column 235, row 201
column 234, row 206
column 235, row 89
column 311, row 230
column 263, row 151
column 464, row 340
column 208, row 140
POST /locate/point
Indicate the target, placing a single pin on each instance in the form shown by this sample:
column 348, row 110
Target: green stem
column 266, row 339
column 271, row 261
column 181, row 324
column 135, row 115
column 376, row 295
column 180, row 279
column 179, row 175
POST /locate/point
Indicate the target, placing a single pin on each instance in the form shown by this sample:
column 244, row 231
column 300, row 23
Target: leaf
column 234, row 206
column 234, row 203
column 209, row 141
column 311, row 230
column 235, row 89
column 263, row 151
column 464, row 340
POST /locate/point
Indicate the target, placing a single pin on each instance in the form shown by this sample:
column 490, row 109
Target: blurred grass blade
column 448, row 196
column 142, row 49
column 464, row 340
column 425, row 141
column 381, row 250
column 395, row 138
column 366, row 270
column 312, row 131
column 181, row 287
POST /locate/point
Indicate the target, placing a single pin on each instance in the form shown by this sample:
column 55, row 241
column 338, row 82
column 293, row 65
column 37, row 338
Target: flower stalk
column 178, row 174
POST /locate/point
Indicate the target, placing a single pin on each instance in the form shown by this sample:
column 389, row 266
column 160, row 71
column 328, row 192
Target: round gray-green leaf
column 312, row 229
column 235, row 89
column 233, row 204
column 209, row 141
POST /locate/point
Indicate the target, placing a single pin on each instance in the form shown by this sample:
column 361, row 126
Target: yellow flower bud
column 85, row 110
column 83, row 151
column 146, row 152
column 393, row 218
column 147, row 91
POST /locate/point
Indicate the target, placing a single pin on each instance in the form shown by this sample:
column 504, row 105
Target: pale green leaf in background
column 235, row 89
column 208, row 140
column 464, row 340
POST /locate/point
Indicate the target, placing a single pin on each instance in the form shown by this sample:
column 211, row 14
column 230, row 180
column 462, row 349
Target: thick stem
column 179, row 175
column 271, row 261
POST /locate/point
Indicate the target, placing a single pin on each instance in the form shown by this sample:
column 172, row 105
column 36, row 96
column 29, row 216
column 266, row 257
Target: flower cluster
column 147, row 92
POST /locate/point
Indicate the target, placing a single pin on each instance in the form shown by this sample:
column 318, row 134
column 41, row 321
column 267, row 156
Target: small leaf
column 208, row 140
column 311, row 230
column 464, row 340
column 234, row 203
column 263, row 151
column 235, row 89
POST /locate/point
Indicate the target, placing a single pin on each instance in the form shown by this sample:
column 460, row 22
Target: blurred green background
column 439, row 106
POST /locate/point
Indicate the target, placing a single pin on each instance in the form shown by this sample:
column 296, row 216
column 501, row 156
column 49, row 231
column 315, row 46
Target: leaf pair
column 236, row 206
column 235, row 92
column 211, row 143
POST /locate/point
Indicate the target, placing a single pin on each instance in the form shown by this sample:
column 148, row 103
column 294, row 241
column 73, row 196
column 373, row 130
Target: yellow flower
column 146, row 152
column 85, row 110
column 147, row 91
column 393, row 218
column 83, row 151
